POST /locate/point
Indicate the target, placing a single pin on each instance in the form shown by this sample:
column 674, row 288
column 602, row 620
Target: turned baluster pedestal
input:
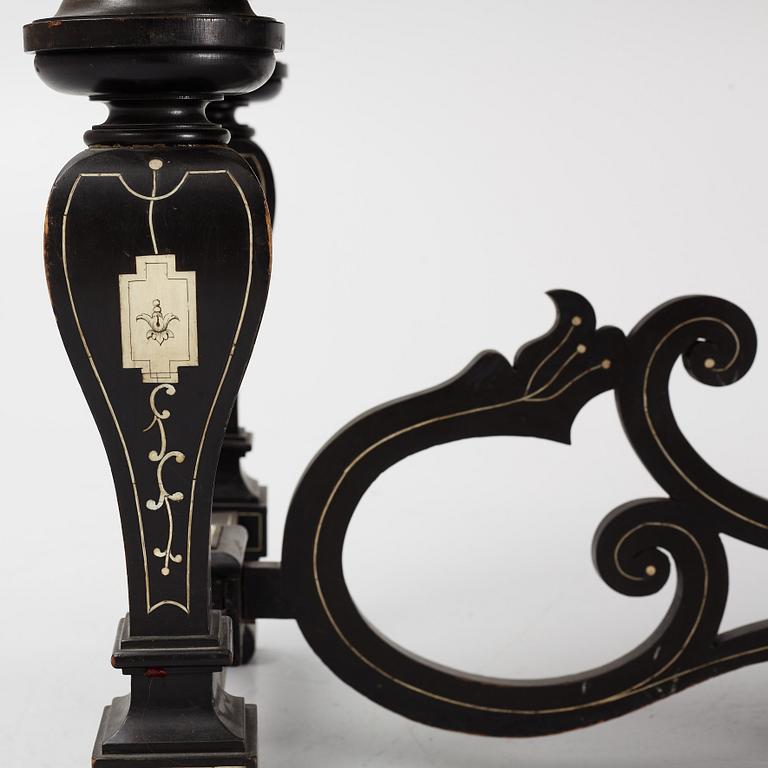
column 158, row 262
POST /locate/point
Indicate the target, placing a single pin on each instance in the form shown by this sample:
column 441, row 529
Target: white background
column 440, row 166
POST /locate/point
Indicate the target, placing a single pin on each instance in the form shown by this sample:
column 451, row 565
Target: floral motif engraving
column 156, row 342
column 158, row 323
column 160, row 458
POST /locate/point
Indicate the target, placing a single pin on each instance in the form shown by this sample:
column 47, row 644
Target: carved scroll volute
column 158, row 261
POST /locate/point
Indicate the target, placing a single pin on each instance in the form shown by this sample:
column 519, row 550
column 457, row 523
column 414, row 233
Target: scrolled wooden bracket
column 634, row 549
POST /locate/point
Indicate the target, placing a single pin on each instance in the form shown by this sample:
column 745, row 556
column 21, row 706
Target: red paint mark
column 155, row 673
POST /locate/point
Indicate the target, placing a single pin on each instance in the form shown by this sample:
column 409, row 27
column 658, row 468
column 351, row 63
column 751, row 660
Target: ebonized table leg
column 239, row 499
column 158, row 259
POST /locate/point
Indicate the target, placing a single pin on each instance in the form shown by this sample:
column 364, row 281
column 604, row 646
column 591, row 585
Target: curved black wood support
column 551, row 380
column 238, row 498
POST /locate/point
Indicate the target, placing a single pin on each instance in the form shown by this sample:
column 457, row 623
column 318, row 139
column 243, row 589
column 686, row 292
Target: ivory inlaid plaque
column 158, row 319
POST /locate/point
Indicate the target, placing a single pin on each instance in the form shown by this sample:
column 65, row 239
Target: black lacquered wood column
column 224, row 112
column 236, row 494
column 158, row 263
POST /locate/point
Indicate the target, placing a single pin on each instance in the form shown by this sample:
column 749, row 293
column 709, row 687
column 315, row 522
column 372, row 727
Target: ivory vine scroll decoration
column 161, row 457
